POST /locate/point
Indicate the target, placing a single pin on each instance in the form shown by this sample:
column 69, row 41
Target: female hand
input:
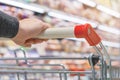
column 28, row 30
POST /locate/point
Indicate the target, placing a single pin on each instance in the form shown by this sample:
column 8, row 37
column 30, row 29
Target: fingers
column 31, row 41
column 44, row 27
column 35, row 40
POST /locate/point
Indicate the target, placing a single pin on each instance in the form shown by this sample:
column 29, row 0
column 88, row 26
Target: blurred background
column 103, row 15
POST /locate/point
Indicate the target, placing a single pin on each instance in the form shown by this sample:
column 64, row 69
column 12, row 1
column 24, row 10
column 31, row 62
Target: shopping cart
column 15, row 70
column 19, row 72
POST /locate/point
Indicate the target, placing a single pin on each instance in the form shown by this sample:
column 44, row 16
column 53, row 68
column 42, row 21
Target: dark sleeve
column 8, row 26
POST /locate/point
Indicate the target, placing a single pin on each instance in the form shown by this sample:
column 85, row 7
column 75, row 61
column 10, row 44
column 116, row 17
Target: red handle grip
column 87, row 32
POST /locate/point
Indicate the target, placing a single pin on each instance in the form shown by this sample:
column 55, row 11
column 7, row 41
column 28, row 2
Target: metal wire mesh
column 14, row 70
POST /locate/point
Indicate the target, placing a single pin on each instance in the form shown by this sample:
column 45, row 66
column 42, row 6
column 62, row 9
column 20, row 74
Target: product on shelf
column 82, row 10
column 69, row 46
column 16, row 12
column 116, row 63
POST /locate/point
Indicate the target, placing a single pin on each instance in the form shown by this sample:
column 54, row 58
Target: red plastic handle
column 87, row 32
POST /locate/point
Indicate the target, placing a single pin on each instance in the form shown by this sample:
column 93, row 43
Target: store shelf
column 111, row 44
column 31, row 7
column 56, row 54
column 115, row 58
column 71, row 18
column 79, row 20
column 109, row 29
column 100, row 8
column 106, row 43
column 108, row 11
column 51, row 12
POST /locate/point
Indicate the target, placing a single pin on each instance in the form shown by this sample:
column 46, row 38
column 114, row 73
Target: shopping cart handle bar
column 78, row 31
